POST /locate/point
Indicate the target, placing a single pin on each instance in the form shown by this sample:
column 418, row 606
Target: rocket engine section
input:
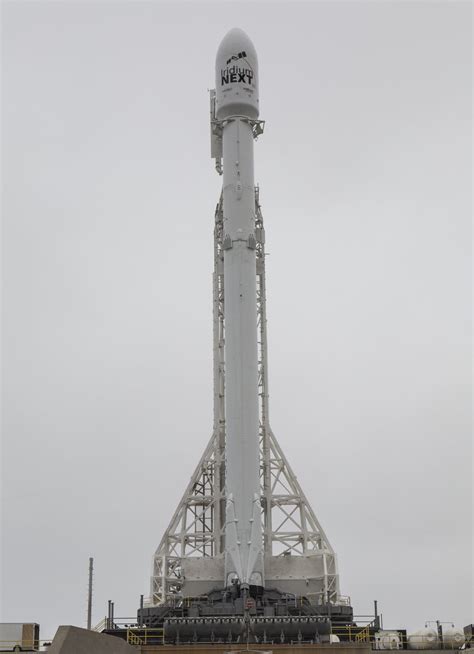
column 236, row 109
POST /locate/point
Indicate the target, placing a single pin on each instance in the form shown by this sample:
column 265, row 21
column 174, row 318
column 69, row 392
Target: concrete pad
column 236, row 648
column 74, row 640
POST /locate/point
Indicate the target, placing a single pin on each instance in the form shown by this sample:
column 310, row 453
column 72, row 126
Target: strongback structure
column 189, row 560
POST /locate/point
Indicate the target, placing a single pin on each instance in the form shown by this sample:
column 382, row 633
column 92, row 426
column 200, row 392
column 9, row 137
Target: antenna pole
column 89, row 595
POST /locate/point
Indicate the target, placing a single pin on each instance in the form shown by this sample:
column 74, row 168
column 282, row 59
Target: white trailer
column 19, row 637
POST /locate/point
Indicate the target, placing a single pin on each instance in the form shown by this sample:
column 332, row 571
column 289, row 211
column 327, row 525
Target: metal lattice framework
column 197, row 527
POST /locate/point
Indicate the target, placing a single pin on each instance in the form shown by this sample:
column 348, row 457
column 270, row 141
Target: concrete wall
column 73, row 640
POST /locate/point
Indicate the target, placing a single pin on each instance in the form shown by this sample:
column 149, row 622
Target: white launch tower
column 243, row 517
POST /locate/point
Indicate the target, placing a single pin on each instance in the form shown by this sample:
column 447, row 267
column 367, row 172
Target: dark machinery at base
column 254, row 615
column 241, row 629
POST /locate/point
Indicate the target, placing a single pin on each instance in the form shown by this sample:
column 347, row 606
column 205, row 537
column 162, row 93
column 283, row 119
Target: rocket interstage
column 236, row 106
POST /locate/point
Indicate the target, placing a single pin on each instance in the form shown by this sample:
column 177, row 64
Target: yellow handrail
column 133, row 639
column 142, row 635
column 363, row 636
column 353, row 633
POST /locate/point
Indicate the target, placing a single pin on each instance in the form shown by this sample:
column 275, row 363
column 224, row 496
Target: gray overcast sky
column 108, row 201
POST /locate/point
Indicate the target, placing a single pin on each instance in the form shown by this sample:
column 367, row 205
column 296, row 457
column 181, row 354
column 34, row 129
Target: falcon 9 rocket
column 236, row 107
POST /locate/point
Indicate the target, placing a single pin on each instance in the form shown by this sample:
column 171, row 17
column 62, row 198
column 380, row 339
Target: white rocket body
column 236, row 106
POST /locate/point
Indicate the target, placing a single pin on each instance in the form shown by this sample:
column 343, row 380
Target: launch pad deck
column 222, row 648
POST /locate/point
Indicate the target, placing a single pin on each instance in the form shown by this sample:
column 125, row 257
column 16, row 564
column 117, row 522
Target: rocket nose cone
column 236, row 76
column 235, row 42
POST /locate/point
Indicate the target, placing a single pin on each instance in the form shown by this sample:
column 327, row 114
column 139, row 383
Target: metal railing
column 145, row 636
column 100, row 626
column 363, row 636
column 351, row 633
column 133, row 638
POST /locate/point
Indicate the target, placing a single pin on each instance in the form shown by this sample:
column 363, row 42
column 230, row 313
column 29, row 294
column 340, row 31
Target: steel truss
column 197, row 527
